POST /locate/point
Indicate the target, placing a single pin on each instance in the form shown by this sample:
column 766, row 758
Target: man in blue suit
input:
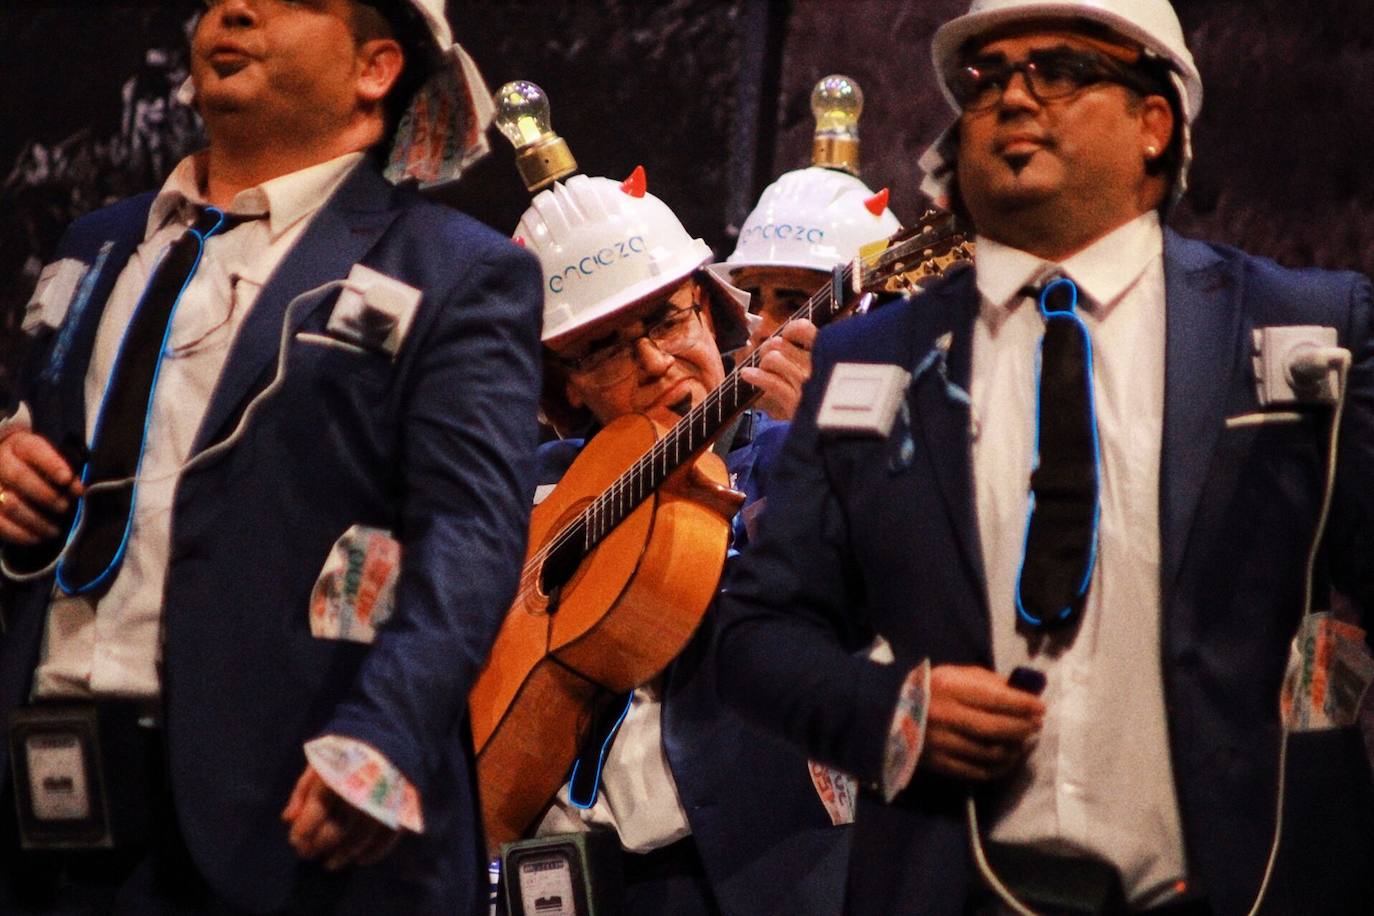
column 1146, row 776
column 330, row 491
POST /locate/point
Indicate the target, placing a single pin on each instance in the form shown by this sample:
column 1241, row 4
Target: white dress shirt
column 116, row 652
column 1099, row 778
column 638, row 798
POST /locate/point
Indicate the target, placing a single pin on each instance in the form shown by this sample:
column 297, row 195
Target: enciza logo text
column 590, row 264
column 784, row 232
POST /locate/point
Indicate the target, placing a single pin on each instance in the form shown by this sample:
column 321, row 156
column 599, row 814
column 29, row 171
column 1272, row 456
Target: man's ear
column 573, row 395
column 1156, row 123
column 380, row 63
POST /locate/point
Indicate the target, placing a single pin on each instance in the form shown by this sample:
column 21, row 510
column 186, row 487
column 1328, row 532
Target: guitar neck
column 690, row 435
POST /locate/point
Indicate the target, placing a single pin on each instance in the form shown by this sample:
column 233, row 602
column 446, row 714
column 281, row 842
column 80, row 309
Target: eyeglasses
column 613, row 362
column 1050, row 75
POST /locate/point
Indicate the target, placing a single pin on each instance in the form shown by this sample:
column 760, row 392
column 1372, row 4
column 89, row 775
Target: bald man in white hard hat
column 266, row 494
column 1082, row 491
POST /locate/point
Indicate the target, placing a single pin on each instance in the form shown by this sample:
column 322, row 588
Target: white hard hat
column 606, row 245
column 1152, row 24
column 813, row 218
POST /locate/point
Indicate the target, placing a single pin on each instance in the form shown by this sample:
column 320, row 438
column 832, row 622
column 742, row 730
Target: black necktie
column 1061, row 531
column 106, row 517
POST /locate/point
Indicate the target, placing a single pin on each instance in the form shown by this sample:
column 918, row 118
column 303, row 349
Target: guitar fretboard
column 934, row 245
column 693, row 432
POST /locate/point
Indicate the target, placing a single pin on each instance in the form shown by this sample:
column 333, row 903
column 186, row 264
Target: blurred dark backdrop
column 712, row 96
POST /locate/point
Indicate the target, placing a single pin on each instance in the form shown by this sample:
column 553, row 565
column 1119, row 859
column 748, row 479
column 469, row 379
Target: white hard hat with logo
column 606, row 245
column 1152, row 24
column 813, row 218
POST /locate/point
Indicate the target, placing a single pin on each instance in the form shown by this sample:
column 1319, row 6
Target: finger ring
column 4, row 496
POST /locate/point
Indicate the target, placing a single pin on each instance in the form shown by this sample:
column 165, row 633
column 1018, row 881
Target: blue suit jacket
column 433, row 446
column 867, row 536
column 765, row 840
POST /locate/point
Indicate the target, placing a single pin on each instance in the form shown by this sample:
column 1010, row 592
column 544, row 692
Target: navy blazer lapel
column 1202, row 353
column 943, row 419
column 339, row 236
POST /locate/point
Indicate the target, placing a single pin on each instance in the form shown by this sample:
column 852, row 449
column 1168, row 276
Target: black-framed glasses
column 613, row 362
column 1050, row 75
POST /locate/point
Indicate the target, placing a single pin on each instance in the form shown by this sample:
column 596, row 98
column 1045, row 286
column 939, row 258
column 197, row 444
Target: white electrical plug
column 1297, row 364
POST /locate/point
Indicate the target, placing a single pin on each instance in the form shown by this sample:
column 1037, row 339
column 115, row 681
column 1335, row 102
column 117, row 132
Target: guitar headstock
column 912, row 257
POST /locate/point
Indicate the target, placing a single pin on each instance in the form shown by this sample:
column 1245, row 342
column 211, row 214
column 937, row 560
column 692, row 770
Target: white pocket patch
column 356, row 591
column 862, row 399
column 374, row 311
column 53, row 296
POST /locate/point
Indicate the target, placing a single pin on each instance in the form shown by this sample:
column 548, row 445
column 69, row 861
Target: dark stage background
column 712, row 97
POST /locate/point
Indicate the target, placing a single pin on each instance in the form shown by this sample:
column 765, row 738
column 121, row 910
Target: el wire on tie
column 1066, row 314
column 117, row 560
column 302, row 301
column 590, row 799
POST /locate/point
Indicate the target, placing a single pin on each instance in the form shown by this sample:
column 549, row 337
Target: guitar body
column 627, row 611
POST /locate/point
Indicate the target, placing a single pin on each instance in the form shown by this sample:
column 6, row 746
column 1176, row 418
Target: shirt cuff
column 364, row 778
column 907, row 734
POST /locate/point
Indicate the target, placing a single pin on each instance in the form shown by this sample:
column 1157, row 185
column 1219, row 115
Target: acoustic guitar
column 625, row 556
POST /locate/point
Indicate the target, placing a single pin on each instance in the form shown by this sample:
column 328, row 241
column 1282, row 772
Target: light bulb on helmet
column 522, row 115
column 837, row 101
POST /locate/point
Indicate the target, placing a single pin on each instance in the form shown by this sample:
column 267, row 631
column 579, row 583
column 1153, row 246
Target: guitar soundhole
column 560, row 565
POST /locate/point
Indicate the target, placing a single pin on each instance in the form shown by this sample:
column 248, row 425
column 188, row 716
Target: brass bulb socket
column 836, row 153
column 544, row 162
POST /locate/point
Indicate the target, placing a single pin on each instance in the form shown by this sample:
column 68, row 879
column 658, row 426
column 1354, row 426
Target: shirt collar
column 285, row 200
column 1104, row 270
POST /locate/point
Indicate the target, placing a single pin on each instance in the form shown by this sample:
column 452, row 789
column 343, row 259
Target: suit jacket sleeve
column 1351, row 532
column 793, row 614
column 468, row 438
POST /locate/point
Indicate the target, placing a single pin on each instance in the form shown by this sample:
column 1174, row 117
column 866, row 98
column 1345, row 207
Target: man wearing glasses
column 711, row 816
column 1089, row 491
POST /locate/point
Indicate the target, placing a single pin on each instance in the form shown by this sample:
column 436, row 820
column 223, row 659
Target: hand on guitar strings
column 783, row 368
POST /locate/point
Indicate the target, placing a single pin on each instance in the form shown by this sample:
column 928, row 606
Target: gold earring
column 1151, row 151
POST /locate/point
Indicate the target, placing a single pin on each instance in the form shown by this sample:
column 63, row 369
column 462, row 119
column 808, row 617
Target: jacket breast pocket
column 1291, row 439
column 332, row 367
column 1259, row 507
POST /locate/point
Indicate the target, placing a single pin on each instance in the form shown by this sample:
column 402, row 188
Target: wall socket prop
column 1284, row 369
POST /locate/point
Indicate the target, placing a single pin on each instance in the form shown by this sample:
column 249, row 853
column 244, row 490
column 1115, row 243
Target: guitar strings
column 715, row 400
